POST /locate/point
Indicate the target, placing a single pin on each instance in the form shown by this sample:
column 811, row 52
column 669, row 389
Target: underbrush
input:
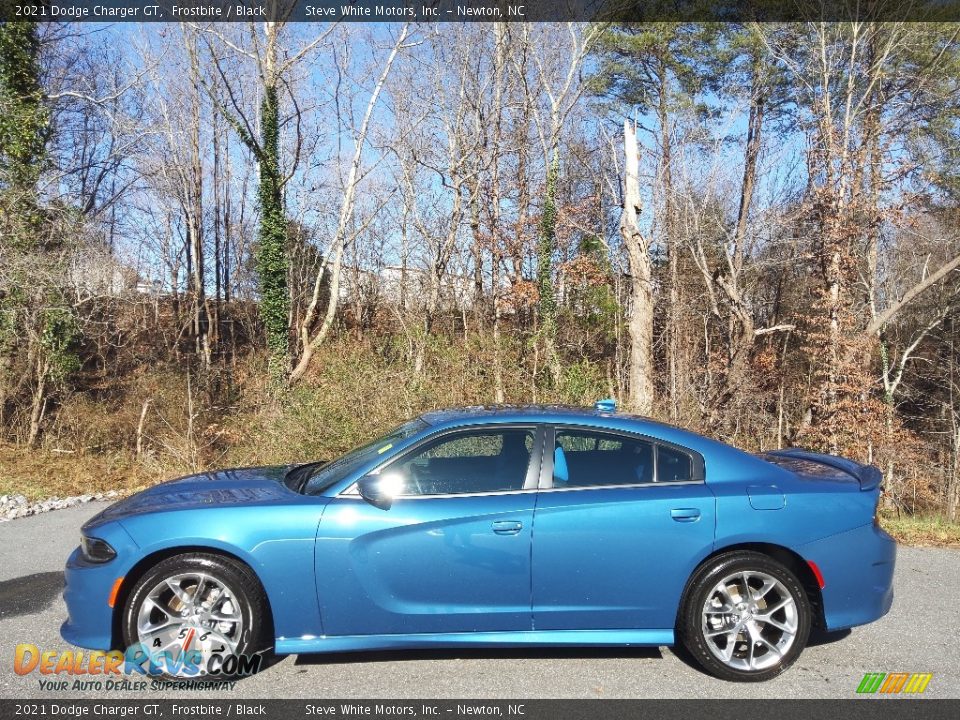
column 923, row 530
column 163, row 421
column 41, row 474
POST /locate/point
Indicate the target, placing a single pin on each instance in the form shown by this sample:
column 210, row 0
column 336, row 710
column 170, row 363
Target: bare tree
column 310, row 337
column 637, row 243
column 557, row 81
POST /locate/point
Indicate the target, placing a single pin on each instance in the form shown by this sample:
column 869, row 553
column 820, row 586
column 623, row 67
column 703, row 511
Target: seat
column 512, row 462
column 561, row 474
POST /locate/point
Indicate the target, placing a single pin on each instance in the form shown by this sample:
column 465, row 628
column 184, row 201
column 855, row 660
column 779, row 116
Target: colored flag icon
column 894, row 683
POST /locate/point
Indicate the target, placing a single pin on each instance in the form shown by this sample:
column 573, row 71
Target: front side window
column 467, row 462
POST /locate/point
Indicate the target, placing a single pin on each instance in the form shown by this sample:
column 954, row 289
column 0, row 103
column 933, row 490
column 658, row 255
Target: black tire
column 238, row 577
column 690, row 630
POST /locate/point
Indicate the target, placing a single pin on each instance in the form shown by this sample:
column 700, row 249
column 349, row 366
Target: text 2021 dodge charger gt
column 494, row 527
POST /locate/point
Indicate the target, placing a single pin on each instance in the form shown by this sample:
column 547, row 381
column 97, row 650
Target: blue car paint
column 860, row 564
column 583, row 579
column 87, row 589
column 469, row 578
column 451, row 571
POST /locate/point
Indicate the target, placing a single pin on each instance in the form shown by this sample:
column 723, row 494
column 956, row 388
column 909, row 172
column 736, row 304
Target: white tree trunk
column 310, row 344
column 640, row 324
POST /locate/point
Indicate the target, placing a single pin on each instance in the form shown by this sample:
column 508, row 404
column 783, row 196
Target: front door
column 450, row 554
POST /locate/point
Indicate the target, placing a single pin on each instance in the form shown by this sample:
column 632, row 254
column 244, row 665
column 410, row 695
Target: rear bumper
column 857, row 568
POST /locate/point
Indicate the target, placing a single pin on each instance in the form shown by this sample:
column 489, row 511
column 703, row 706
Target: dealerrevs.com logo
column 894, row 683
column 137, row 668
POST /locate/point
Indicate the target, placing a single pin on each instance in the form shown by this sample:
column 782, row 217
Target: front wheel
column 746, row 617
column 190, row 614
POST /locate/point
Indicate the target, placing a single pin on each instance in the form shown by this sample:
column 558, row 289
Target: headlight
column 96, row 550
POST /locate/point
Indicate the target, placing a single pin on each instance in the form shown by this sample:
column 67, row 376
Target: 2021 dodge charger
column 494, row 527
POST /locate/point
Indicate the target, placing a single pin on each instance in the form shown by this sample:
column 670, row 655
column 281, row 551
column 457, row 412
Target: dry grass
column 925, row 531
column 357, row 390
column 40, row 474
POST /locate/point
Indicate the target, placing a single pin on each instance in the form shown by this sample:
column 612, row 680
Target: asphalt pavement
column 920, row 634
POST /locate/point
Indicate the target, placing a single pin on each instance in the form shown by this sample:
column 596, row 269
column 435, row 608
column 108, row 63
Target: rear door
column 619, row 527
column 452, row 552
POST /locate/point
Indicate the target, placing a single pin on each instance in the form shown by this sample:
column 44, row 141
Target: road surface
column 921, row 634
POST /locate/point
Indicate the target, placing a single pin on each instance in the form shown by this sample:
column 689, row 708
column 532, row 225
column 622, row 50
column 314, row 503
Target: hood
column 218, row 488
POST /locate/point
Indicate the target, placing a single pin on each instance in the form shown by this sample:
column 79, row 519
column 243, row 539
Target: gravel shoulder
column 919, row 635
column 13, row 507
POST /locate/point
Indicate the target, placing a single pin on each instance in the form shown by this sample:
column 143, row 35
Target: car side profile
column 495, row 526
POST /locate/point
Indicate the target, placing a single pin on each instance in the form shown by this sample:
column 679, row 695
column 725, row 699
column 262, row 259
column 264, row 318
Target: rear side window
column 585, row 458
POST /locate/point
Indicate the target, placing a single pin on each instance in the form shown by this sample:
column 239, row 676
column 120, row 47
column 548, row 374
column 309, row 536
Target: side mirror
column 380, row 490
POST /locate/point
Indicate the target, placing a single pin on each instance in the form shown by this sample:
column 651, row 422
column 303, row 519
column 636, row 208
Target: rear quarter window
column 673, row 465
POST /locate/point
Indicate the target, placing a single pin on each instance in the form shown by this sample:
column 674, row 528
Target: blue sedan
column 495, row 527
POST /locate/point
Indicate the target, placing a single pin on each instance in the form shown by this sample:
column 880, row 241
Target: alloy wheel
column 190, row 612
column 749, row 620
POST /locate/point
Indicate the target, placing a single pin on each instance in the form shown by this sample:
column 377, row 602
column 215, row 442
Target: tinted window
column 469, row 462
column 322, row 477
column 673, row 465
column 584, row 458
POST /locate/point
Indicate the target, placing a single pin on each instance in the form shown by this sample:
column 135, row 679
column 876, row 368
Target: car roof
column 536, row 413
column 513, row 412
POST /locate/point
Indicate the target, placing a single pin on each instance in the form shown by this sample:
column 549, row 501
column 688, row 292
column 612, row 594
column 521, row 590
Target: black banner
column 874, row 708
column 477, row 10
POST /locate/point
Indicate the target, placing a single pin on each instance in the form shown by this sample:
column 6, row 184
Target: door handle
column 507, row 527
column 685, row 514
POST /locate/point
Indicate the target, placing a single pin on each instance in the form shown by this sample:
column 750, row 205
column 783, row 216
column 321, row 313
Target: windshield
column 322, row 477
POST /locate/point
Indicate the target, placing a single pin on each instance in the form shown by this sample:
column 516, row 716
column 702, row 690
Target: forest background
column 262, row 243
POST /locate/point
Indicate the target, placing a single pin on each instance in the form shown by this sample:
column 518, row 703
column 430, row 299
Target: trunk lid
column 819, row 466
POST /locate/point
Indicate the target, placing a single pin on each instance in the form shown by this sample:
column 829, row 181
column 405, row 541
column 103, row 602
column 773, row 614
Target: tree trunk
column 193, row 213
column 38, row 406
column 496, row 252
column 309, row 343
column 741, row 329
column 272, row 260
column 953, row 487
column 673, row 280
column 640, row 325
column 546, row 243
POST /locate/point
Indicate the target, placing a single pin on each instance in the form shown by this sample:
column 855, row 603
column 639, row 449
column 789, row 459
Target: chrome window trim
column 522, row 491
column 636, row 486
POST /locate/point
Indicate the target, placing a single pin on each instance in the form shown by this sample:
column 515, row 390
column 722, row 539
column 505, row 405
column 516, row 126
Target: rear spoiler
column 868, row 476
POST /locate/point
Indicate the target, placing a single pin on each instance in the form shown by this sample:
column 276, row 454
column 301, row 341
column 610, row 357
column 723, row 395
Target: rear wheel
column 190, row 613
column 746, row 617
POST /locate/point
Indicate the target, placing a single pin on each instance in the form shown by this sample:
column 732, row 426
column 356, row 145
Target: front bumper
column 857, row 568
column 86, row 592
column 87, row 588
